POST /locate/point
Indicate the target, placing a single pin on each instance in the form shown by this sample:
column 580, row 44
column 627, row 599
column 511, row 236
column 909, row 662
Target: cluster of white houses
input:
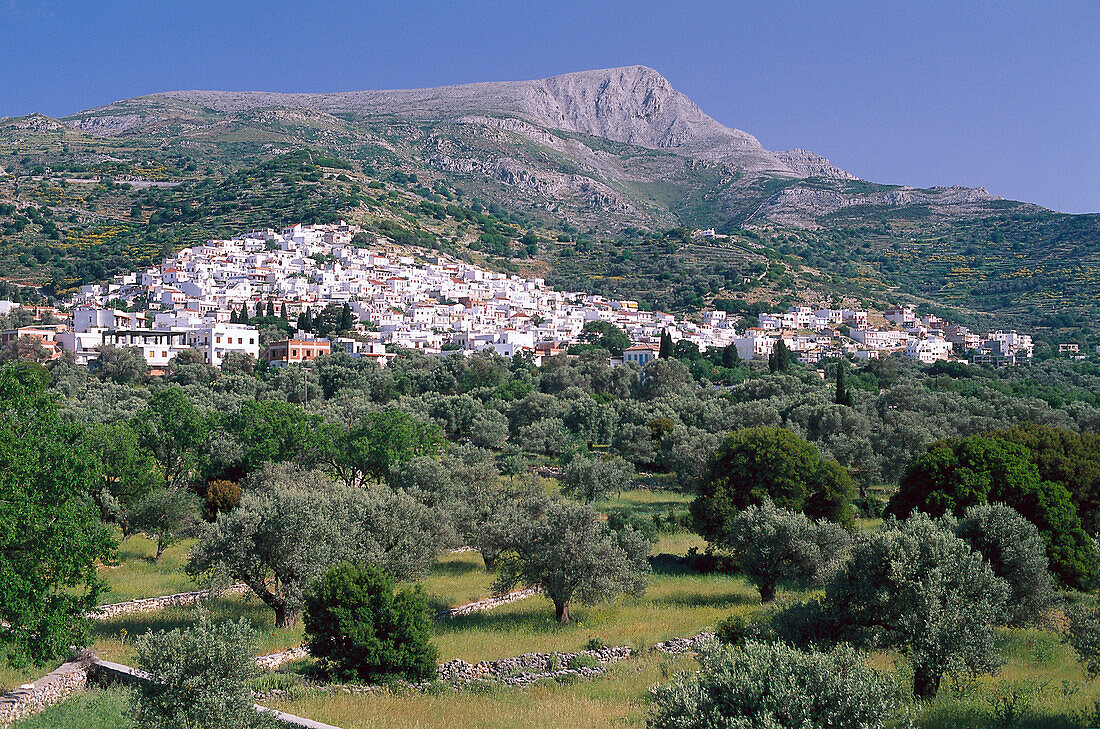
column 437, row 304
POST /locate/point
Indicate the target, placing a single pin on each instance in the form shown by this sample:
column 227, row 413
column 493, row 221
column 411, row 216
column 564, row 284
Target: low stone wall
column 516, row 671
column 489, row 603
column 530, row 667
column 55, row 686
column 676, row 646
column 151, row 604
column 105, row 672
column 273, row 660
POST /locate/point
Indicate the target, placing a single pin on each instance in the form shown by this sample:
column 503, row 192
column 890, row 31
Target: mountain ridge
column 630, row 104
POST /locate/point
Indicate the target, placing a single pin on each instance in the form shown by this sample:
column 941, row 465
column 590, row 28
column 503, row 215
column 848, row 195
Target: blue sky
column 1002, row 94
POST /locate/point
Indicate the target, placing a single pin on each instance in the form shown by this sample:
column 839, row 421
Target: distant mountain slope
column 589, row 164
column 606, row 148
column 634, row 105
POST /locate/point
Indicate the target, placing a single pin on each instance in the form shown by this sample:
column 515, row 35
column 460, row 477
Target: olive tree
column 915, row 587
column 571, row 554
column 774, row 544
column 775, row 685
column 278, row 541
column 199, row 677
column 593, row 477
column 1015, row 550
column 163, row 515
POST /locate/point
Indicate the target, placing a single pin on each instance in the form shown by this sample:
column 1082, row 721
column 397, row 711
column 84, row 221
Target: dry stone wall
column 489, row 603
column 55, row 686
column 152, row 604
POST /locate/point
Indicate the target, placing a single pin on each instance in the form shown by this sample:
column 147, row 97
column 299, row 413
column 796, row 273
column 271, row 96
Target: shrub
column 220, row 496
column 868, row 507
column 733, row 631
column 582, row 661
column 360, row 627
column 595, row 644
column 202, row 675
column 646, row 527
column 775, row 685
column 1083, row 633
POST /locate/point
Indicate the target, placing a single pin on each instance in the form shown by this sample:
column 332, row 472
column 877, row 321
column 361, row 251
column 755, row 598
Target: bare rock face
column 805, row 206
column 633, row 105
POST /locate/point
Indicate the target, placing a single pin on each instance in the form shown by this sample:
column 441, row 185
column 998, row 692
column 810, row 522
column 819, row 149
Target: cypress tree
column 271, row 308
column 282, row 312
column 730, row 357
column 346, row 319
column 305, row 321
column 781, row 358
column 666, row 345
column 843, row 396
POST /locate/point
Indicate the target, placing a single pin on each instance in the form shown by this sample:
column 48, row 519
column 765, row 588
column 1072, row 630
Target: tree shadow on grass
column 536, row 618
column 170, row 618
column 456, row 568
column 686, row 598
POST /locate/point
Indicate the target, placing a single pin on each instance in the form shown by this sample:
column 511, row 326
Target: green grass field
column 137, row 575
column 98, row 709
column 1040, row 685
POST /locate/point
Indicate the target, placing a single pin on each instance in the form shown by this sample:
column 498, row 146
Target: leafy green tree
column 773, row 544
column 368, row 449
column 270, row 431
column 593, row 477
column 1015, row 550
column 605, row 335
column 361, row 627
column 915, row 587
column 128, row 471
column 570, row 553
column 686, row 349
column 955, row 475
column 172, row 430
column 760, row 686
column 1066, row 457
column 51, row 537
column 754, row 464
column 279, row 541
column 200, row 677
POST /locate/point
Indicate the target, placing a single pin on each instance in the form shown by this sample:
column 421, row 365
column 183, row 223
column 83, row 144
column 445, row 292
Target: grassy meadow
column 1040, row 685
